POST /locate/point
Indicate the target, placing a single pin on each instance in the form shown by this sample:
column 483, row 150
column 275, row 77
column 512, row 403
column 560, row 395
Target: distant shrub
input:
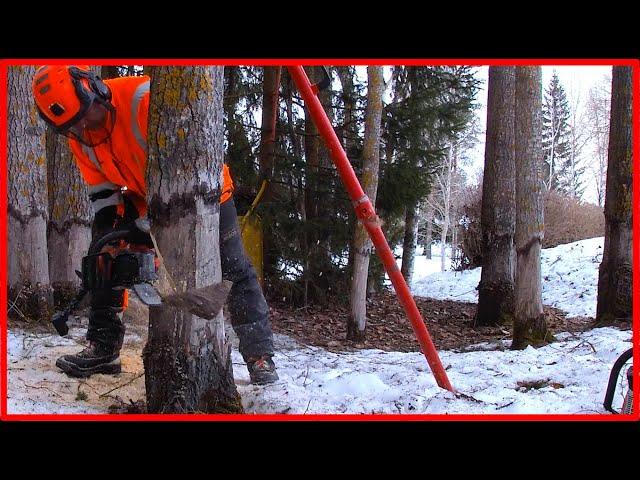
column 471, row 232
column 566, row 220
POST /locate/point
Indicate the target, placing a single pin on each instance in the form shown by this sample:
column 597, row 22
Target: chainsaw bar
column 147, row 294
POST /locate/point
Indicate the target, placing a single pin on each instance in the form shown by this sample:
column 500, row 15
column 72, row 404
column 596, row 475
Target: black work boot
column 105, row 336
column 262, row 370
column 96, row 358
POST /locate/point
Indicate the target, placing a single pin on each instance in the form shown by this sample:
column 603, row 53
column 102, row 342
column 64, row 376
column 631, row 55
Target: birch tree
column 598, row 112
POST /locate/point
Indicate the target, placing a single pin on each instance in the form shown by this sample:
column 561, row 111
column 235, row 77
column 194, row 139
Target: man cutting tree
column 106, row 123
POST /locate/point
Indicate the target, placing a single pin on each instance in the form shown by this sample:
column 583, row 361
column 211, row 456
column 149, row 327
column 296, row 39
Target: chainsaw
column 137, row 270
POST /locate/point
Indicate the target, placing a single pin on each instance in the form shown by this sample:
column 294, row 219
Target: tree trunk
column 529, row 325
column 428, row 239
column 348, row 131
column 446, row 210
column 498, row 216
column 69, row 229
column 377, row 273
column 270, row 89
column 356, row 322
column 409, row 243
column 615, row 277
column 28, row 275
column 187, row 359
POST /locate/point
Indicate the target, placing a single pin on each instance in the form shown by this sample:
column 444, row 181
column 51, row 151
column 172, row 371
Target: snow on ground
column 572, row 374
column 36, row 385
column 569, row 278
column 568, row 376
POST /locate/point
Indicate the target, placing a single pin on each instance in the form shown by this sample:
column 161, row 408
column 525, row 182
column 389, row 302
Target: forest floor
column 450, row 324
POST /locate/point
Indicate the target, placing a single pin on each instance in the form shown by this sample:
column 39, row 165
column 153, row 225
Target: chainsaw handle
column 60, row 319
column 109, row 237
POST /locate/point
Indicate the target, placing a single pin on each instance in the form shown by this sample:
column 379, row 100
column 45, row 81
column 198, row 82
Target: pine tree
column 556, row 136
column 431, row 106
column 242, row 96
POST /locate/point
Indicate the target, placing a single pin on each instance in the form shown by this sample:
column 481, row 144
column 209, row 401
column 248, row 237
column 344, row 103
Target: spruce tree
column 556, row 137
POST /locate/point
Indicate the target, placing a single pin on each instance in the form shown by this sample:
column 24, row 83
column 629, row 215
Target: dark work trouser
column 247, row 306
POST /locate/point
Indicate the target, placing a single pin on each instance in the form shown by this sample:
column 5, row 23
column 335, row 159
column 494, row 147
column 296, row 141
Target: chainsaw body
column 115, row 269
column 118, row 266
column 126, row 269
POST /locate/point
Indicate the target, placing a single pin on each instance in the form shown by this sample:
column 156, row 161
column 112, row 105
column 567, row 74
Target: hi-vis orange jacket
column 121, row 161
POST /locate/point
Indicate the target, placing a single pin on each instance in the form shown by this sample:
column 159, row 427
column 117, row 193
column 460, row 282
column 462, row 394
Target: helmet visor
column 95, row 126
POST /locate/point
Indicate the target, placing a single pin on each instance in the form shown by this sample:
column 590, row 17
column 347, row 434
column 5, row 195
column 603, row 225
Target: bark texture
column 187, row 359
column 529, row 326
column 29, row 290
column 356, row 322
column 498, row 215
column 616, row 275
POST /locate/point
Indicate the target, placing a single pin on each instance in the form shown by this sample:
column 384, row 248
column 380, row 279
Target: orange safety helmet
column 74, row 102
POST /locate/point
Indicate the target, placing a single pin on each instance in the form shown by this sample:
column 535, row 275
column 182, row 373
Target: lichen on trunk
column 361, row 247
column 70, row 216
column 28, row 271
column 187, row 359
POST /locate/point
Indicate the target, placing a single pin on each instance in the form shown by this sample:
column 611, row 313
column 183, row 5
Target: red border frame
column 634, row 63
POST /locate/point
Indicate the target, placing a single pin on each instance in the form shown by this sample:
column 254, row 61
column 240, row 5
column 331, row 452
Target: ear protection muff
column 96, row 84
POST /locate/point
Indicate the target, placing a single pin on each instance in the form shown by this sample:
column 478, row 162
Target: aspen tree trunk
column 29, row 293
column 529, row 325
column 615, row 277
column 69, row 229
column 428, row 241
column 187, row 359
column 409, row 243
column 446, row 220
column 498, row 215
column 356, row 322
